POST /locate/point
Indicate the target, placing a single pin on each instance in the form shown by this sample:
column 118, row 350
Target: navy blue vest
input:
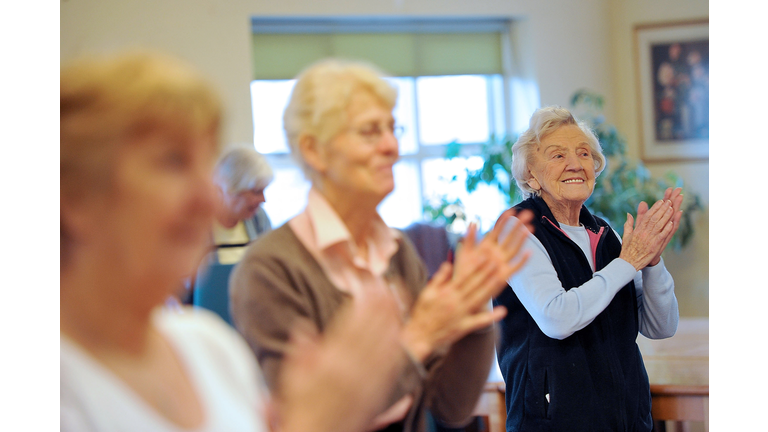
column 593, row 380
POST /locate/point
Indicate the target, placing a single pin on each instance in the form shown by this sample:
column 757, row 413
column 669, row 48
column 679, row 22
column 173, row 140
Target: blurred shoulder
column 279, row 242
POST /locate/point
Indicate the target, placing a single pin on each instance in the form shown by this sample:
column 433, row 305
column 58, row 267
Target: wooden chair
column 680, row 404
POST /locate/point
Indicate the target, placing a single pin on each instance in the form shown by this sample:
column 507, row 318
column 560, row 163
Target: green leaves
column 625, row 183
column 497, row 169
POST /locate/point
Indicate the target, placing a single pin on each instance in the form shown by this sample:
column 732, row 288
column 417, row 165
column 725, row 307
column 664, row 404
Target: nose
column 572, row 162
column 389, row 143
column 260, row 197
column 255, row 197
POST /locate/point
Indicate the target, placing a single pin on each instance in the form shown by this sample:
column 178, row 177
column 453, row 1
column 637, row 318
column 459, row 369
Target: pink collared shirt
column 326, row 237
column 324, row 234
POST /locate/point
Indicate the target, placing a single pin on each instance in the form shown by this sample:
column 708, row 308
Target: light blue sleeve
column 657, row 309
column 557, row 312
column 560, row 313
column 656, row 302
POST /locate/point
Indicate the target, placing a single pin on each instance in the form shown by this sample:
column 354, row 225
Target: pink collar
column 325, row 235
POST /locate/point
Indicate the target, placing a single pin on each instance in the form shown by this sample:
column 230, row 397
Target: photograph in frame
column 673, row 90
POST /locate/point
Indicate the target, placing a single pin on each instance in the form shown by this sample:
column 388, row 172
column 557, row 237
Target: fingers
column 666, row 234
column 481, row 287
column 483, row 319
column 666, row 212
column 470, row 239
column 642, row 210
column 628, row 229
column 675, row 225
column 526, row 216
column 472, row 280
column 677, row 199
column 516, row 265
column 667, row 194
column 442, row 275
column 674, row 194
column 504, row 217
column 514, row 240
column 655, row 219
column 501, row 222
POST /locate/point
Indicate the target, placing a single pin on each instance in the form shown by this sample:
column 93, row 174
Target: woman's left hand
column 676, row 197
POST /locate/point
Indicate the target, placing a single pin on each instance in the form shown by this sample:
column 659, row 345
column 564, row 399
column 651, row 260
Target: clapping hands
column 454, row 303
column 646, row 238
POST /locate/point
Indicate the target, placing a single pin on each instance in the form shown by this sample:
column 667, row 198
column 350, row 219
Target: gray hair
column 242, row 168
column 320, row 98
column 544, row 122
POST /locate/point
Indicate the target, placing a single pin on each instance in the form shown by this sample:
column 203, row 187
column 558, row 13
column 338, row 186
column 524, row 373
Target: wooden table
column 678, row 369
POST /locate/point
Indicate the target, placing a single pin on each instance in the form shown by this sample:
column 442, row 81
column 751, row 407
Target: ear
column 533, row 183
column 312, row 152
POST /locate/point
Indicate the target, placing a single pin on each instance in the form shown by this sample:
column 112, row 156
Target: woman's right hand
column 645, row 239
column 454, row 303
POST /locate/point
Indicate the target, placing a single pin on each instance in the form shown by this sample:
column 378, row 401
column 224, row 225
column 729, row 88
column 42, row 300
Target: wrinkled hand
column 675, row 196
column 454, row 302
column 645, row 239
column 340, row 381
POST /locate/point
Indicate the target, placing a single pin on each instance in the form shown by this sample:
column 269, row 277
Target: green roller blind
column 282, row 55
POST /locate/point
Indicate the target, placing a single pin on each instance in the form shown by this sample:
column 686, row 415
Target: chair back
column 212, row 289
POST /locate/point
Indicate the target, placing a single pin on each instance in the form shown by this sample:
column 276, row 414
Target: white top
column 560, row 313
column 222, row 368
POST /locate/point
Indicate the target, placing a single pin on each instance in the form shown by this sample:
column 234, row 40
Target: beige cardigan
column 278, row 281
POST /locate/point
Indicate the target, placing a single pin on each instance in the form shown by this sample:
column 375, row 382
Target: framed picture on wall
column 673, row 90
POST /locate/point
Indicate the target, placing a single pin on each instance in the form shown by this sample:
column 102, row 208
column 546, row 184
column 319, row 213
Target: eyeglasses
column 373, row 132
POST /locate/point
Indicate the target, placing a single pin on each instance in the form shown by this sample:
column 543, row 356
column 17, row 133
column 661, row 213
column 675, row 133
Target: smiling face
column 563, row 169
column 357, row 163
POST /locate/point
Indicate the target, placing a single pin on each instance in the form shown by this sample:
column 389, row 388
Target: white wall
column 691, row 267
column 568, row 45
column 215, row 35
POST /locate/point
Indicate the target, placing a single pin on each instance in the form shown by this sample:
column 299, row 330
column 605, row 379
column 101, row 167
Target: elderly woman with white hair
column 241, row 175
column 339, row 251
column 567, row 350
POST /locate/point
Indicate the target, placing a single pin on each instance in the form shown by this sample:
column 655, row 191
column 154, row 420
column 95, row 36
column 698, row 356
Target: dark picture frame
column 673, row 90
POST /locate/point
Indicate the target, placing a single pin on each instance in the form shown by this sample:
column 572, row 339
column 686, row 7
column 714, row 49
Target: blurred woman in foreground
column 139, row 137
column 339, row 251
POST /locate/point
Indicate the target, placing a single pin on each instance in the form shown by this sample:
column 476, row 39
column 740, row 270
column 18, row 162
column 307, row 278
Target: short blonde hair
column 545, row 121
column 107, row 101
column 319, row 100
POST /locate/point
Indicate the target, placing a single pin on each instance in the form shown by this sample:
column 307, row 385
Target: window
column 437, row 105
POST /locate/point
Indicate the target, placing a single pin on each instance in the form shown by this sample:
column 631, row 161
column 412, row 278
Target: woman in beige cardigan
column 337, row 252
